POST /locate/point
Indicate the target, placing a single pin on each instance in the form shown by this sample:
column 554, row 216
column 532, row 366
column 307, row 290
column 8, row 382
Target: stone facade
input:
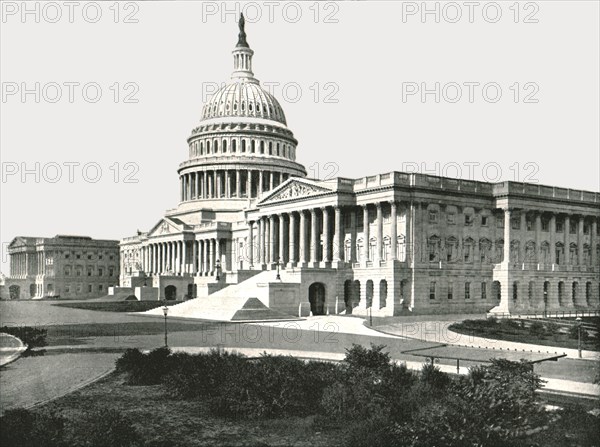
column 386, row 244
column 62, row 266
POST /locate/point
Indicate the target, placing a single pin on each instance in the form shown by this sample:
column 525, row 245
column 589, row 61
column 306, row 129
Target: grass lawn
column 160, row 418
column 118, row 306
column 521, row 331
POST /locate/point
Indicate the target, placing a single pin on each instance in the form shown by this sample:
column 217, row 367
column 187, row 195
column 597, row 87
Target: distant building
column 62, row 266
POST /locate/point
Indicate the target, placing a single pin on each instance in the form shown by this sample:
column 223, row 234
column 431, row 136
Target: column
column 194, row 257
column 338, row 248
column 552, row 229
column 523, row 240
column 250, row 249
column 394, row 232
column 567, row 248
column 227, row 184
column 281, row 239
column 326, row 235
column 302, row 245
column 260, row 182
column 506, row 248
column 379, row 255
column 272, row 254
column 261, row 241
column 538, row 235
column 205, row 252
column 314, row 236
column 580, row 242
column 292, row 239
column 593, row 241
column 197, row 184
column 211, row 260
column 181, row 188
column 249, row 184
column 271, row 180
column 184, row 263
column 352, row 235
column 238, row 183
column 204, row 184
column 366, row 236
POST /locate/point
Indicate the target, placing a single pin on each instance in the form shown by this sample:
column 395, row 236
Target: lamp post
column 217, row 268
column 578, row 319
column 278, row 277
column 165, row 310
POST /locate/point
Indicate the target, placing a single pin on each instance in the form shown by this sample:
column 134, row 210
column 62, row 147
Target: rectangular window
column 432, row 216
column 100, row 287
column 67, row 271
column 499, row 223
column 450, row 290
column 100, row 256
column 432, row 290
column 89, row 288
column 78, row 256
column 111, row 257
column 78, row 272
column 483, row 290
column 515, row 224
column 100, row 272
column 559, row 226
column 67, row 288
column 67, row 256
column 484, row 221
column 89, row 272
column 467, row 290
column 111, row 271
column 450, row 218
column 572, row 227
column 468, row 220
column 529, row 224
column 586, row 229
column 89, row 256
column 545, row 225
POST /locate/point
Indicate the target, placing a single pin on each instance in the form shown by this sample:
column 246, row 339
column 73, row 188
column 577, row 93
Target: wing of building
column 249, row 224
column 61, row 267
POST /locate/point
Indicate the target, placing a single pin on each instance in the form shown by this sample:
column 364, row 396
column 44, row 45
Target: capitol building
column 250, row 225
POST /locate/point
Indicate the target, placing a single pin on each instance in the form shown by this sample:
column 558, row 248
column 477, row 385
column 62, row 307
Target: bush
column 25, row 428
column 145, row 369
column 537, row 329
column 374, row 358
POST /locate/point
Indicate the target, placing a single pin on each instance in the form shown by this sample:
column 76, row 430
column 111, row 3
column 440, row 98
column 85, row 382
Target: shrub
column 32, row 337
column 432, row 376
column 25, row 428
column 537, row 329
column 145, row 369
column 374, row 358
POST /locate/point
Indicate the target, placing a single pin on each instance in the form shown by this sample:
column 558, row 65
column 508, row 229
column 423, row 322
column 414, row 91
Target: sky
column 98, row 99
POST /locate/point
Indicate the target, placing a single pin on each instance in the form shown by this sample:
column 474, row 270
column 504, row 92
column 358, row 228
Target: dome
column 243, row 98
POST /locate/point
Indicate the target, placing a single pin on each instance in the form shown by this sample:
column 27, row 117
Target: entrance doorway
column 170, row 293
column 316, row 297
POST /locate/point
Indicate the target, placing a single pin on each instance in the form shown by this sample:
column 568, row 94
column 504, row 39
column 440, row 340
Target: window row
column 79, row 271
column 251, row 146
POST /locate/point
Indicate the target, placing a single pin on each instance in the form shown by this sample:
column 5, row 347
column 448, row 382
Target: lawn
column 546, row 332
column 118, row 306
column 161, row 418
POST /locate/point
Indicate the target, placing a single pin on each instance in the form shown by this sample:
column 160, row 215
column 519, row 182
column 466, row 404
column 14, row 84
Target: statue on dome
column 242, row 35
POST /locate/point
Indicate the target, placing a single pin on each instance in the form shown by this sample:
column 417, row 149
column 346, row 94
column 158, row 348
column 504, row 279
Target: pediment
column 165, row 226
column 294, row 189
column 19, row 241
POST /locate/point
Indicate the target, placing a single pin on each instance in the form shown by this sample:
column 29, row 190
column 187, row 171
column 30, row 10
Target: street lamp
column 578, row 319
column 217, row 268
column 165, row 310
column 278, row 277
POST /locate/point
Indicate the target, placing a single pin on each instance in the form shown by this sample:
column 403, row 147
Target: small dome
column 243, row 98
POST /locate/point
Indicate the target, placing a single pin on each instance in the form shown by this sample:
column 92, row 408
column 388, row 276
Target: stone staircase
column 236, row 302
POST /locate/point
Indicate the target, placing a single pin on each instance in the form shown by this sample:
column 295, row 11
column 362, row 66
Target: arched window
column 252, row 146
column 233, row 145
column 387, row 247
column 270, row 148
column 497, row 290
column 561, row 293
column 216, row 148
column 262, row 147
column 588, row 293
column 201, row 148
column 515, row 291
column 531, row 291
column 359, row 249
column 382, row 293
column 224, row 146
column 369, row 293
column 401, row 248
column 243, row 145
column 575, row 288
column 207, row 147
column 467, row 290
